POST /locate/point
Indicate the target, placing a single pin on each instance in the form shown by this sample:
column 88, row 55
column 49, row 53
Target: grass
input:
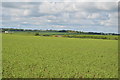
column 66, row 34
column 43, row 33
column 57, row 57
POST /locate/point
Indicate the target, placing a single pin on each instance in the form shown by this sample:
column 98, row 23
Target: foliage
column 36, row 34
column 61, row 31
column 93, row 36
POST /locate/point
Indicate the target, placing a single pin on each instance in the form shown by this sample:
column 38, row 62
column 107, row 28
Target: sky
column 79, row 16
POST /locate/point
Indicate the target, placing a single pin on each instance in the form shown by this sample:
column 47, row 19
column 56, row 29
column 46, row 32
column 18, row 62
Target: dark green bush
column 46, row 35
column 36, row 34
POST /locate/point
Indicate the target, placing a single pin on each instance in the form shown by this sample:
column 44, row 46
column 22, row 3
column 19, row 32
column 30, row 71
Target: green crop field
column 58, row 57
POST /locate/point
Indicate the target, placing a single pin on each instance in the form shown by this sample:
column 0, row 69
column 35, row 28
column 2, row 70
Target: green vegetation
column 109, row 37
column 36, row 34
column 28, row 56
column 63, row 33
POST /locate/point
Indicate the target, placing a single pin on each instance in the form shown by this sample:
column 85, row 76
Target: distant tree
column 36, row 34
column 46, row 35
column 63, row 31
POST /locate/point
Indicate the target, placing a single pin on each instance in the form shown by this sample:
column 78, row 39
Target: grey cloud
column 66, row 14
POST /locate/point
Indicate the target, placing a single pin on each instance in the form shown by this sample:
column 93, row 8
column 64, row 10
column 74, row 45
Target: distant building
column 6, row 32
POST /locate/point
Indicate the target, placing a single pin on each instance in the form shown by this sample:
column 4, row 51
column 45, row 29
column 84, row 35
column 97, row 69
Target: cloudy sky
column 82, row 16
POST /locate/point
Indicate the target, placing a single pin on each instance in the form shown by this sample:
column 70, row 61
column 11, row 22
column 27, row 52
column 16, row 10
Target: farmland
column 29, row 56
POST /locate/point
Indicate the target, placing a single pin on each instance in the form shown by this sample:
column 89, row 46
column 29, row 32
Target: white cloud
column 62, row 15
column 112, row 21
column 107, row 6
column 26, row 12
column 60, row 0
column 94, row 15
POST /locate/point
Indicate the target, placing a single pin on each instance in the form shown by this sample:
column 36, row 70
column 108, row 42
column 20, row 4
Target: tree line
column 66, row 31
